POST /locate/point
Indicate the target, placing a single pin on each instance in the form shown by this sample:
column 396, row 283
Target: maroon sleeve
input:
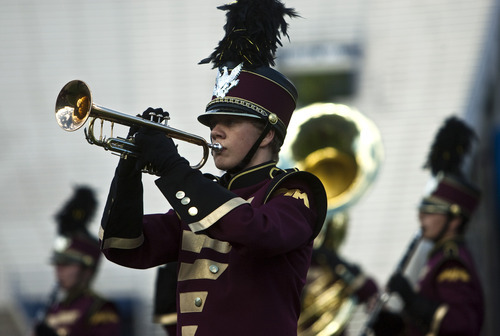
column 160, row 246
column 459, row 295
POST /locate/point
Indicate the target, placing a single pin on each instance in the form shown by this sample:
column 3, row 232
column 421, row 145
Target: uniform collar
column 449, row 246
column 250, row 176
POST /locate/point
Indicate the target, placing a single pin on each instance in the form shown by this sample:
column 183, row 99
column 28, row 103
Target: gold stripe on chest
column 201, row 269
column 193, row 242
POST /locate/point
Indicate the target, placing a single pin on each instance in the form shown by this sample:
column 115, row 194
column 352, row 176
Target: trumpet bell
column 73, row 105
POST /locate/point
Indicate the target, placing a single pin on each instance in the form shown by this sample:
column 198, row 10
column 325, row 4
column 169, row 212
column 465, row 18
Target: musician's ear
column 455, row 223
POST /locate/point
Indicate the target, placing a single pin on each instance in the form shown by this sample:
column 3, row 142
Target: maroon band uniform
column 450, row 278
column 242, row 257
column 85, row 314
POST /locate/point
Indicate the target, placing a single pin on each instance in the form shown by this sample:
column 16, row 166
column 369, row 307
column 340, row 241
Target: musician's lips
column 218, row 151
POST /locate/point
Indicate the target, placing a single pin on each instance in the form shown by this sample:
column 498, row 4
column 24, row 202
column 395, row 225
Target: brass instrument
column 74, row 106
column 385, row 296
column 343, row 148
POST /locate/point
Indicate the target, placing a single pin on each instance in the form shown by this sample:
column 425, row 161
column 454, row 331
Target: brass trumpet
column 74, row 106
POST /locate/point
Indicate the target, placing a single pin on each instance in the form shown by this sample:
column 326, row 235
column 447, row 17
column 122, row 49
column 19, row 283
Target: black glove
column 42, row 329
column 388, row 324
column 158, row 152
column 347, row 271
column 152, row 114
column 127, row 164
column 419, row 308
column 399, row 284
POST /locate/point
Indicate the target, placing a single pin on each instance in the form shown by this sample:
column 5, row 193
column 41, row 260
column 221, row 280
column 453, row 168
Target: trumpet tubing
column 74, row 106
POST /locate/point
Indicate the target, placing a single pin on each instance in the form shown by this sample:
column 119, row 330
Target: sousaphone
column 343, row 148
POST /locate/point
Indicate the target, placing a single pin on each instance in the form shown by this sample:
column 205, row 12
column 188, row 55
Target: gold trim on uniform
column 437, row 319
column 192, row 302
column 295, row 193
column 165, row 319
column 65, row 317
column 455, row 274
column 121, row 243
column 193, row 242
column 201, row 270
column 246, row 172
column 217, row 214
column 188, row 330
column 103, row 317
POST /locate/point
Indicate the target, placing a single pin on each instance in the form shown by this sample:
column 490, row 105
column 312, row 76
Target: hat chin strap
column 240, row 166
column 444, row 229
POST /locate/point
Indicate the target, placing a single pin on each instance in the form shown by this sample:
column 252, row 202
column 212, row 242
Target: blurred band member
column 79, row 311
column 449, row 297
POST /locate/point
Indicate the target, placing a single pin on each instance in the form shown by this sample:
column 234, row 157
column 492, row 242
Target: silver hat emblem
column 225, row 80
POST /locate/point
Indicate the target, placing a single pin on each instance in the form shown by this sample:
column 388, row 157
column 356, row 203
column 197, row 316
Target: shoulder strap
column 94, row 315
column 317, row 189
column 97, row 303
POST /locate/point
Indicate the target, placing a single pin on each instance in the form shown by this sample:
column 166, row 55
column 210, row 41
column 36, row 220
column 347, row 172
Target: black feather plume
column 77, row 212
column 252, row 33
column 452, row 143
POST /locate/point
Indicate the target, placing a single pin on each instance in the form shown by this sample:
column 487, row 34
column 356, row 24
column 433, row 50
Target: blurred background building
column 406, row 65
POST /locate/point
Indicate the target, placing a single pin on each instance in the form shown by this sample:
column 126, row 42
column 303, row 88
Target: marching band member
column 243, row 242
column 76, row 254
column 449, row 297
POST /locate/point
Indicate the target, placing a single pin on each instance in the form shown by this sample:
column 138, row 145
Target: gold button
column 185, row 201
column 214, row 269
column 180, row 194
column 198, row 301
column 273, row 118
column 193, row 211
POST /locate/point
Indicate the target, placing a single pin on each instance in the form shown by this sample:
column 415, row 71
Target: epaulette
column 95, row 316
column 450, row 249
column 316, row 186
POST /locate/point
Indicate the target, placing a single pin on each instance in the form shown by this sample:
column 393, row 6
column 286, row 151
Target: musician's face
column 236, row 135
column 69, row 275
column 431, row 224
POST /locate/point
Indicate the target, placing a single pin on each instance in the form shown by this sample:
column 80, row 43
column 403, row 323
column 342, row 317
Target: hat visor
column 430, row 207
column 64, row 259
column 59, row 258
column 205, row 118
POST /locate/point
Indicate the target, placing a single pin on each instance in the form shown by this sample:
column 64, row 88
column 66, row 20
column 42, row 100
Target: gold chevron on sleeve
column 454, row 275
column 295, row 193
